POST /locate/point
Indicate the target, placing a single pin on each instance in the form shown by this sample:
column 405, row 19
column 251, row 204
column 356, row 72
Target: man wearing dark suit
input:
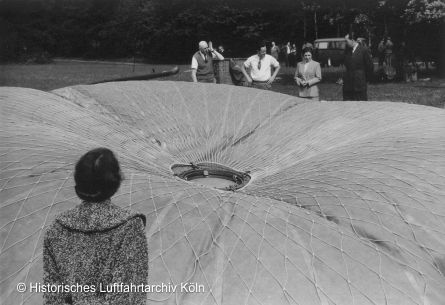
column 359, row 68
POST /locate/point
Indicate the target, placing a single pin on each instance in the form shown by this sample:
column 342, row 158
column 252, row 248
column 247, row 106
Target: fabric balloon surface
column 345, row 201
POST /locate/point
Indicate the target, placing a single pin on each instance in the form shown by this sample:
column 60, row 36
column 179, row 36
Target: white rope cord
column 344, row 205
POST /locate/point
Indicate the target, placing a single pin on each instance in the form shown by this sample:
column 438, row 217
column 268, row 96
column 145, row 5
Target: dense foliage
column 168, row 30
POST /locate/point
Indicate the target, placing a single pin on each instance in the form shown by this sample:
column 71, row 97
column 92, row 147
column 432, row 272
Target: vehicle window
column 337, row 45
column 322, row 45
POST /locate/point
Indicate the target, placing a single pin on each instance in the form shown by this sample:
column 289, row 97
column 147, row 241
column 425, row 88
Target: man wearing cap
column 359, row 69
column 202, row 63
column 260, row 68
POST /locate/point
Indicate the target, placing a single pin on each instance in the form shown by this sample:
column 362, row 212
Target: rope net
column 345, row 204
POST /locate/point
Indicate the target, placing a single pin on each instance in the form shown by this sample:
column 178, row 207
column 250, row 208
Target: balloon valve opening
column 212, row 175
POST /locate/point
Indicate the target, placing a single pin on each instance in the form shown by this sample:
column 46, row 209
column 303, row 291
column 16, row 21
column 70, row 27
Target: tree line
column 169, row 30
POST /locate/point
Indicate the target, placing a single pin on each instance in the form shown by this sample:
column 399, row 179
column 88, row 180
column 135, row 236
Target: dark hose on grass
column 173, row 71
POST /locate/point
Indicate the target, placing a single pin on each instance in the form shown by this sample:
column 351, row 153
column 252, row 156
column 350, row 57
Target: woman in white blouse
column 307, row 75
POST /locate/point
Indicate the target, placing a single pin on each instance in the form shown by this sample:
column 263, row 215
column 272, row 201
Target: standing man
column 260, row 68
column 202, row 63
column 274, row 50
column 287, row 53
column 293, row 56
column 388, row 51
column 381, row 52
column 359, row 69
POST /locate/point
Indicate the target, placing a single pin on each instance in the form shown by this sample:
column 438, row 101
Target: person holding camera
column 307, row 75
column 202, row 63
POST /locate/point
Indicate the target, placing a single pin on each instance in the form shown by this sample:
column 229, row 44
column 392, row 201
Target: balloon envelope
column 345, row 204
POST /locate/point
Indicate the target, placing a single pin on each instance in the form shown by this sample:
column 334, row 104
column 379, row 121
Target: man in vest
column 202, row 63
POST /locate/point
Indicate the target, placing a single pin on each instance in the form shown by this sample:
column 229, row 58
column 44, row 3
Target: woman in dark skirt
column 91, row 249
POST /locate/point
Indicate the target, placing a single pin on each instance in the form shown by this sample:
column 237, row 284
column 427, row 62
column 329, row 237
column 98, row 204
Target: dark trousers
column 286, row 59
column 211, row 80
column 355, row 95
column 381, row 59
column 261, row 85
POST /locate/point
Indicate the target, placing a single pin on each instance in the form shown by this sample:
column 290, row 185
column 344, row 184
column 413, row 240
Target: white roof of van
column 329, row 39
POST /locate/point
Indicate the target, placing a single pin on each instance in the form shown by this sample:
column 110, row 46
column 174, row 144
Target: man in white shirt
column 260, row 68
column 202, row 63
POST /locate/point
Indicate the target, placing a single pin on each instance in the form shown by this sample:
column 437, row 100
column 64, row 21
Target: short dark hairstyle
column 310, row 50
column 97, row 175
column 261, row 44
column 352, row 35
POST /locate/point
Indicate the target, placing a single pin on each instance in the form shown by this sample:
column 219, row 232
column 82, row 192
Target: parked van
column 330, row 51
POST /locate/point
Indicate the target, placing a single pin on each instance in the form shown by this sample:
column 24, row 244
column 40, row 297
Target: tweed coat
column 359, row 68
column 95, row 244
column 312, row 75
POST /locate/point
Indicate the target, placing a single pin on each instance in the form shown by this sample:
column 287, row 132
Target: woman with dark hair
column 91, row 249
column 307, row 75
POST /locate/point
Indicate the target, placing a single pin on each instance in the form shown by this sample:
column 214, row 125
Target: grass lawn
column 67, row 73
column 64, row 73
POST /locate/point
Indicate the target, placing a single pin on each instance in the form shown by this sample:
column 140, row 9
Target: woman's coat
column 312, row 75
column 96, row 244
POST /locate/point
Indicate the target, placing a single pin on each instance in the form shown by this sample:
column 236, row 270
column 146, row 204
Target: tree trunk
column 386, row 25
column 369, row 37
column 441, row 59
column 304, row 27
column 315, row 24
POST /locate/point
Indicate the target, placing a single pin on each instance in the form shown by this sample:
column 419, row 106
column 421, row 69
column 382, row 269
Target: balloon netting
column 346, row 204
